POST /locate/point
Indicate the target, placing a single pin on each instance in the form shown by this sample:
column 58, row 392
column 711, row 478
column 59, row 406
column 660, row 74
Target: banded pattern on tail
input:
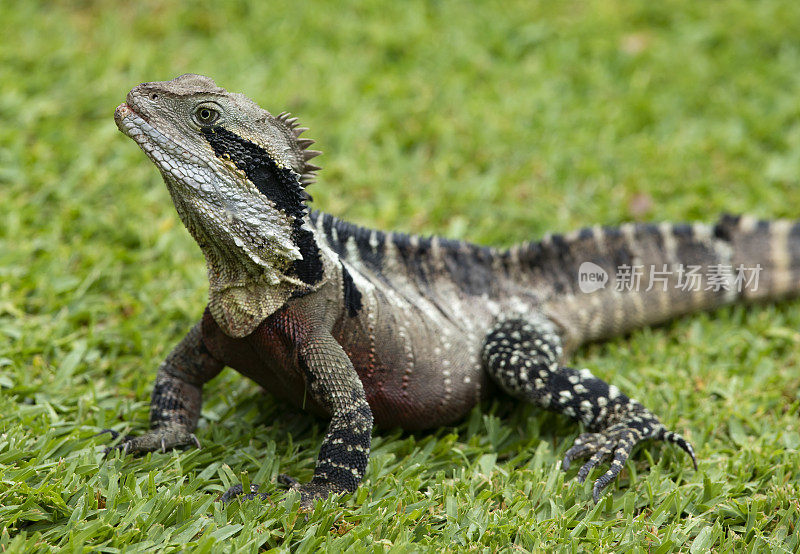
column 774, row 245
column 657, row 272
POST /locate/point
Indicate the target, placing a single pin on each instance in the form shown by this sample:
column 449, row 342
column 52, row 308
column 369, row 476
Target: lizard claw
column 616, row 443
column 114, row 436
column 309, row 492
column 237, row 491
column 121, row 447
column 287, row 481
column 682, row 443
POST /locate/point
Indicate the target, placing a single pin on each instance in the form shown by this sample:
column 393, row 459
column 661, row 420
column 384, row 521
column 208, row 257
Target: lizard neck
column 257, row 256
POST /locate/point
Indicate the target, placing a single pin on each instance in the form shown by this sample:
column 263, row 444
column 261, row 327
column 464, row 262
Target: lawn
column 492, row 122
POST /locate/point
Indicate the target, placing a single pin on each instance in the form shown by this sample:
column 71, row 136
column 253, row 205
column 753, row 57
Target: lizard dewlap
column 365, row 326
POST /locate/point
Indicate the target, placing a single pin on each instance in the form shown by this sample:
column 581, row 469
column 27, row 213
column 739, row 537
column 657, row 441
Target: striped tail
column 775, row 245
column 657, row 272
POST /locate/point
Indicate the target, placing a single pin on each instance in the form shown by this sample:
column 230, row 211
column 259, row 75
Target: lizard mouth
column 121, row 114
column 122, row 111
column 134, row 126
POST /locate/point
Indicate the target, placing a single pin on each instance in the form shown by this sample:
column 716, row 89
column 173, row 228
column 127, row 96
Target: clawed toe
column 288, row 481
column 616, row 443
column 114, row 436
column 121, row 446
column 583, row 446
column 309, row 492
column 597, row 458
column 682, row 443
column 236, row 492
column 601, row 447
column 157, row 439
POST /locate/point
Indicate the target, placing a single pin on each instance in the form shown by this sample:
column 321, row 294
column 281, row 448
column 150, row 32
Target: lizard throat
column 281, row 186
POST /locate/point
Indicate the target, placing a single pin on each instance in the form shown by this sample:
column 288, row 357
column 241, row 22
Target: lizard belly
column 414, row 387
column 410, row 382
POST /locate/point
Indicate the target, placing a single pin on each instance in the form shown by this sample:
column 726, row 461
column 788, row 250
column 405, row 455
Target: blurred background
column 488, row 121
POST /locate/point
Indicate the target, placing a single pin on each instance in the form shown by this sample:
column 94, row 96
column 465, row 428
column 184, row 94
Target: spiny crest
column 308, row 175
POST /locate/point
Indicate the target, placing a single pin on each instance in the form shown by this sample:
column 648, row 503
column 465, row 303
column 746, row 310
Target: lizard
column 367, row 327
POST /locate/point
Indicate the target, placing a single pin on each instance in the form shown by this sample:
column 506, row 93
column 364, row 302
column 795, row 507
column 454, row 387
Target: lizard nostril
column 154, row 96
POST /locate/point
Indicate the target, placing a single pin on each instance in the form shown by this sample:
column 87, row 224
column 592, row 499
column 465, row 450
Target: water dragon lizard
column 364, row 326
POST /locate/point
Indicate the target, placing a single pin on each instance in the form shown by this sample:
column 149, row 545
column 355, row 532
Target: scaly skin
column 364, row 326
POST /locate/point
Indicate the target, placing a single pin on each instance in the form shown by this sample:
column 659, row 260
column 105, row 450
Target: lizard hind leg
column 523, row 356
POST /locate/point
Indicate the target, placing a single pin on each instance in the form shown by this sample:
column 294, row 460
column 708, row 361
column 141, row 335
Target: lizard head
column 236, row 173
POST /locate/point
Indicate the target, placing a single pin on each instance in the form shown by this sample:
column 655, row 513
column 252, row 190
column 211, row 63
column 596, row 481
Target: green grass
column 494, row 122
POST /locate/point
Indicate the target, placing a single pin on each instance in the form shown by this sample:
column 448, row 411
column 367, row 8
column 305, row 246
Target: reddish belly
column 268, row 356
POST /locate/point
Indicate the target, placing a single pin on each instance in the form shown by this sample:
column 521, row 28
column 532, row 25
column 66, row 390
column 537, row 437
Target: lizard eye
column 206, row 115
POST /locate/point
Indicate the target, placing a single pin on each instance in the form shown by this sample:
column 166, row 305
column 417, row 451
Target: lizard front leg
column 177, row 398
column 334, row 384
column 522, row 356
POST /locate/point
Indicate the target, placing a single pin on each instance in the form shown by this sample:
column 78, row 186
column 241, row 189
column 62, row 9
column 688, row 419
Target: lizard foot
column 616, row 442
column 309, row 492
column 157, row 439
column 237, row 491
